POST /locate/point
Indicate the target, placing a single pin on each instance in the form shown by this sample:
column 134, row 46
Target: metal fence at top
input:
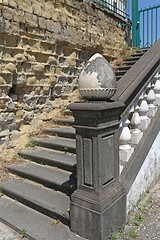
column 116, row 6
column 149, row 26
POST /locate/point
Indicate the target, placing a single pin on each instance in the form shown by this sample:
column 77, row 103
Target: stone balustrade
column 138, row 118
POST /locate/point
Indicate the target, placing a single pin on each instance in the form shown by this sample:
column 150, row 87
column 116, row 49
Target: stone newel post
column 98, row 206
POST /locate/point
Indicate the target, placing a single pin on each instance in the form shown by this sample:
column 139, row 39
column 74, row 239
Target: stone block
column 20, row 57
column 20, row 81
column 157, row 101
column 58, row 71
column 8, row 13
column 18, row 16
column 7, row 77
column 48, row 47
column 10, row 67
column 37, row 9
column 31, row 20
column 32, row 80
column 97, row 224
column 2, row 82
column 125, row 154
column 46, row 13
column 56, row 16
column 26, row 6
column 2, row 104
column 15, row 134
column 152, row 111
column 13, row 3
column 52, row 60
column 37, row 90
column 71, row 61
column 14, row 27
column 27, row 67
column 41, row 57
column 42, row 22
column 11, row 41
column 136, row 136
column 46, row 90
column 144, row 123
column 19, row 114
column 52, row 80
column 50, row 25
column 10, row 105
column 38, row 68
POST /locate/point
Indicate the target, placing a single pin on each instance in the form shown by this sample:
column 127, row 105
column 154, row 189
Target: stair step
column 67, row 132
column 52, row 158
column 68, row 112
column 124, row 67
column 120, row 73
column 37, row 225
column 137, row 54
column 60, row 144
column 129, row 63
column 50, row 177
column 49, row 202
column 67, row 121
column 118, row 77
column 132, row 58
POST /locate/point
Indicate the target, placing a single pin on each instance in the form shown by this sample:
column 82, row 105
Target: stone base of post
column 98, row 218
column 145, row 121
column 98, row 206
column 152, row 111
column 136, row 136
column 125, row 154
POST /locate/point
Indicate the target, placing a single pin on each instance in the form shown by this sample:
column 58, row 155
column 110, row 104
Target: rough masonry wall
column 43, row 44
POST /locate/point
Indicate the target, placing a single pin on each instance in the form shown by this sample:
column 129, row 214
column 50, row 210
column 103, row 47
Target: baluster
column 150, row 99
column 125, row 150
column 143, row 109
column 157, row 90
column 136, row 133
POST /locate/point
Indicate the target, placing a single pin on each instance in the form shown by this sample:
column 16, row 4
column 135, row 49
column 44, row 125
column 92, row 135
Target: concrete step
column 137, row 54
column 60, row 144
column 67, row 132
column 49, row 202
column 120, row 73
column 51, row 177
column 37, row 225
column 52, row 158
column 129, row 63
column 65, row 121
column 67, row 112
column 118, row 77
column 124, row 67
column 132, row 59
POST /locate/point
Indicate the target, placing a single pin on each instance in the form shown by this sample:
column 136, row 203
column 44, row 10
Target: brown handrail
column 138, row 76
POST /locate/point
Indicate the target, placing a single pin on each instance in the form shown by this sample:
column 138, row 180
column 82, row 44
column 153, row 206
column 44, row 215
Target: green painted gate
column 145, row 25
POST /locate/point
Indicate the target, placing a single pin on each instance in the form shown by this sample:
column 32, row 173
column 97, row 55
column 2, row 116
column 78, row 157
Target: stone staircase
column 127, row 64
column 39, row 201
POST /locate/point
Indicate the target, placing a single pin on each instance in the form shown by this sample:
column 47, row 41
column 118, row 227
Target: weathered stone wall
column 43, row 44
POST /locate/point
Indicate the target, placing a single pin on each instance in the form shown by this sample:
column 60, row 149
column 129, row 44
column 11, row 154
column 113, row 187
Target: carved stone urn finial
column 97, row 80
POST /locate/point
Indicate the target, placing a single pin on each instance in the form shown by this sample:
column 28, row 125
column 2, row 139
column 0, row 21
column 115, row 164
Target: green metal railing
column 145, row 25
column 149, row 27
column 116, row 6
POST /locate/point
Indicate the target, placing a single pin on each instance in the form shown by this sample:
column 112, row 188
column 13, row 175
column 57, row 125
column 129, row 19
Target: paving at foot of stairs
column 148, row 229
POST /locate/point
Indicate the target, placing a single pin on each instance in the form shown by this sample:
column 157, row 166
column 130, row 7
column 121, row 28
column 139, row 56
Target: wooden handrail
column 138, row 76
